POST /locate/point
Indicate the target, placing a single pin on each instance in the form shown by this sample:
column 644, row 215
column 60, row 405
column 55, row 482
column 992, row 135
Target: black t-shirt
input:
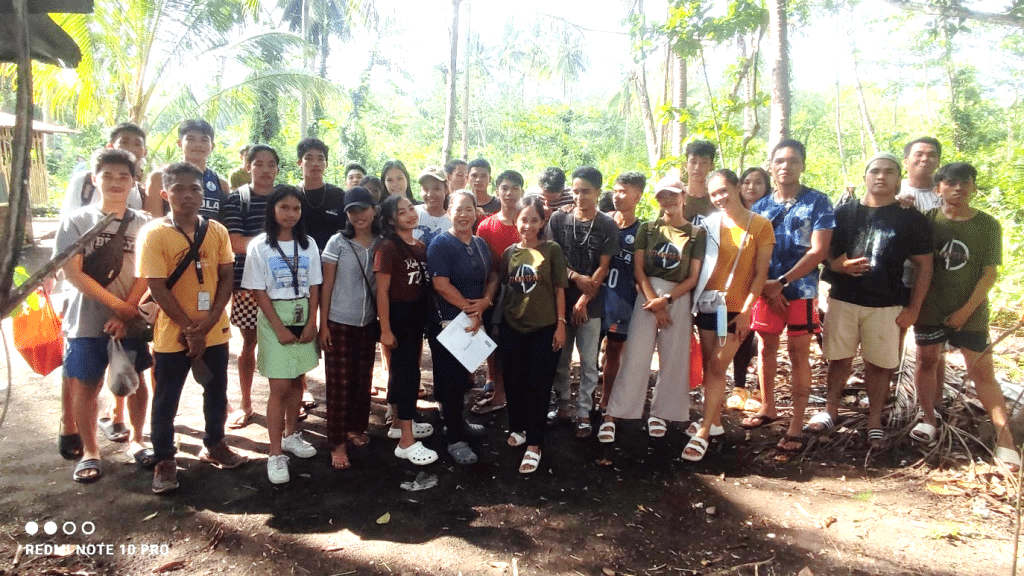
column 323, row 213
column 887, row 236
column 583, row 244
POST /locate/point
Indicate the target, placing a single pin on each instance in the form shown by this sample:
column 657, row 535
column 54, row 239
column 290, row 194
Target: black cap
column 359, row 197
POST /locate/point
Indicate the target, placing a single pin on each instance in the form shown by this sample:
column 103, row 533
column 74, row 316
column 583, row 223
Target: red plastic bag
column 696, row 363
column 37, row 334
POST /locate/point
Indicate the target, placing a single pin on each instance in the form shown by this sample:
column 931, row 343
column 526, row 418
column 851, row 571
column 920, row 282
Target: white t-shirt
column 924, row 198
column 266, row 270
column 430, row 226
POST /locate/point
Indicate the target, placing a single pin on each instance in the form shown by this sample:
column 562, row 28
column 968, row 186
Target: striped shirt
column 249, row 224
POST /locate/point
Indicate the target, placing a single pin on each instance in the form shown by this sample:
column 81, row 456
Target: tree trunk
column 449, row 122
column 839, row 130
column 865, row 116
column 303, row 100
column 751, row 124
column 465, row 92
column 21, row 155
column 678, row 103
column 781, row 100
column 650, row 129
column 666, row 96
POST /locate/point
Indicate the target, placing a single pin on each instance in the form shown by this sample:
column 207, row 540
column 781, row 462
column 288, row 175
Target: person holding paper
column 464, row 279
column 535, row 274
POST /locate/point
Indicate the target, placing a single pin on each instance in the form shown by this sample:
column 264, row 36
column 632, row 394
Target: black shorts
column 709, row 321
column 973, row 340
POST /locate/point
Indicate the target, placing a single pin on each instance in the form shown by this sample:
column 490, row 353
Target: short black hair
column 455, row 163
column 956, row 172
column 702, row 148
column 129, row 127
column 728, row 175
column 510, row 175
column 480, row 163
column 113, row 156
column 195, row 125
column 791, row 143
column 270, row 225
column 552, row 179
column 590, row 174
column 632, row 179
column 177, row 169
column 923, row 140
column 257, row 148
column 307, row 144
column 355, row 166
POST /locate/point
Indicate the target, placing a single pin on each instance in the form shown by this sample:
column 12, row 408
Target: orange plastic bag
column 37, row 334
column 696, row 363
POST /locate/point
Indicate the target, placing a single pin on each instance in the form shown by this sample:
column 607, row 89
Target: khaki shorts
column 873, row 330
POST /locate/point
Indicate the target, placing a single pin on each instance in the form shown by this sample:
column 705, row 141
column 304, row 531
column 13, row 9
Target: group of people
column 314, row 268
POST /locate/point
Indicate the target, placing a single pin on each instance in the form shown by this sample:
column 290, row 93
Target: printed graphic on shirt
column 281, row 271
column 416, row 272
column 872, row 243
column 956, row 254
column 524, row 278
column 667, row 255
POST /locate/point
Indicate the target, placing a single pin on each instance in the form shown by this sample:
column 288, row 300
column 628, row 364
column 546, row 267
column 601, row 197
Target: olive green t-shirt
column 668, row 249
column 694, row 206
column 961, row 252
column 531, row 275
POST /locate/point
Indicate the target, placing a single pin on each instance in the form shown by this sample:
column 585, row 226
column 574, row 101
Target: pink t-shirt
column 498, row 236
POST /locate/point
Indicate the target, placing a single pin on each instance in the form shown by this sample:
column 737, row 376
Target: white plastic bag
column 122, row 379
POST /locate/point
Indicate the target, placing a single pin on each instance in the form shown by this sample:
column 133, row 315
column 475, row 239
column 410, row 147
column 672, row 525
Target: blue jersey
column 213, row 196
column 621, row 282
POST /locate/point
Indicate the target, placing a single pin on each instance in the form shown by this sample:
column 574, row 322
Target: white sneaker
column 297, row 446
column 277, row 469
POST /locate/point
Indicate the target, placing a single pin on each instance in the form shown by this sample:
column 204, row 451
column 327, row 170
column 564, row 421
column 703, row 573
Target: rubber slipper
column 787, row 439
column 694, row 427
column 462, row 453
column 302, row 414
column 656, row 427
column 877, row 438
column 238, row 419
column 1008, row 457
column 359, row 440
column 340, row 461
column 114, row 431
column 698, row 445
column 516, row 439
column 757, row 421
column 144, row 457
column 418, row 454
column 606, row 433
column 485, row 406
column 924, row 432
column 69, row 446
column 91, row 464
column 820, row 423
column 584, row 429
column 308, row 402
column 419, row 430
column 530, row 463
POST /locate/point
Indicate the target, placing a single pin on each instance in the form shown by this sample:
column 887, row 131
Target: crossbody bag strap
column 362, row 267
column 191, row 256
column 743, row 243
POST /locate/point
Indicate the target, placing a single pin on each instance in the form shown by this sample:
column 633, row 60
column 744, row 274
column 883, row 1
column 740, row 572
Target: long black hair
column 388, row 212
column 396, row 164
column 270, row 225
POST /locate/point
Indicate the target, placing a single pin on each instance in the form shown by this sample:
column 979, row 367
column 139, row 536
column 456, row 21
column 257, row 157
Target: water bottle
column 723, row 320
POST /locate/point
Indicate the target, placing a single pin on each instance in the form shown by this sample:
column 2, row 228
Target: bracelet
column 563, row 320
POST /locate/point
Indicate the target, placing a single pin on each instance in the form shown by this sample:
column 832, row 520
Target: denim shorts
column 86, row 358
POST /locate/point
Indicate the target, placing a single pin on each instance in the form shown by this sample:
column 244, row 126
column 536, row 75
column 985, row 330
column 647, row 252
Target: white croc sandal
column 418, row 454
column 606, row 433
column 419, row 430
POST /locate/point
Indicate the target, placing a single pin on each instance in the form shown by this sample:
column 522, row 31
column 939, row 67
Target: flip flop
column 359, row 440
column 340, row 462
column 144, row 457
column 69, row 446
column 308, row 402
column 757, row 421
column 530, row 463
column 485, row 406
column 787, row 439
column 91, row 464
column 114, row 431
column 238, row 419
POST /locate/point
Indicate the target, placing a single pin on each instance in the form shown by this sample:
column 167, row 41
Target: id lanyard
column 293, row 269
column 192, row 247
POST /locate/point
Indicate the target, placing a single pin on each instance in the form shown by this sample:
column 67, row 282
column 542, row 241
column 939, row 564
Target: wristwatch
column 669, row 298
column 783, row 281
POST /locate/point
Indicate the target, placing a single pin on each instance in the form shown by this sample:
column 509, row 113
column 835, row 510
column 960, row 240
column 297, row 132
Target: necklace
column 309, row 199
column 585, row 236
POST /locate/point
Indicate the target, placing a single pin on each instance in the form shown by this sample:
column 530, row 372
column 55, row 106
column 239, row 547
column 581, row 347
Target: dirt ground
column 634, row 508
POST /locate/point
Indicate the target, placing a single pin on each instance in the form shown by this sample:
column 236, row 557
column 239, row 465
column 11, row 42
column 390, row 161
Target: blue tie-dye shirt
column 794, row 223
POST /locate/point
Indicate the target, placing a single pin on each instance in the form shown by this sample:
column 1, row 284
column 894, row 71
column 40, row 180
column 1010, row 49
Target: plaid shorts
column 243, row 309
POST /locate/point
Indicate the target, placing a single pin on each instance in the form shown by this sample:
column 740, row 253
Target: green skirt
column 284, row 361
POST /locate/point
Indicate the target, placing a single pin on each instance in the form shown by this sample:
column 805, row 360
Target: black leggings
column 407, row 320
column 529, row 364
column 451, row 380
